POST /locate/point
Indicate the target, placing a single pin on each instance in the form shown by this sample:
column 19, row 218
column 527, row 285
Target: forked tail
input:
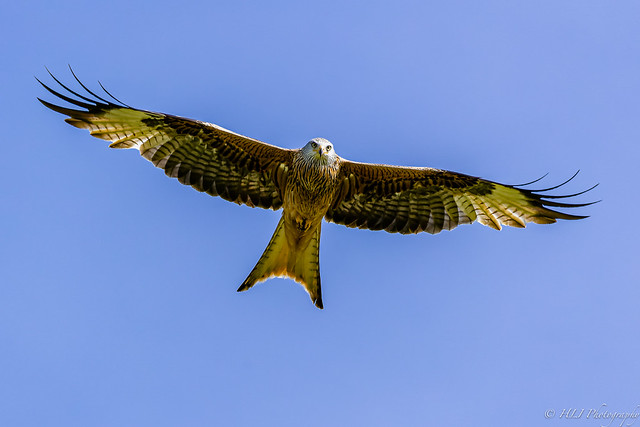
column 283, row 258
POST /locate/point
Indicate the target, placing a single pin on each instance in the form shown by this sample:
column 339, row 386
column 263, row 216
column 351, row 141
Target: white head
column 319, row 150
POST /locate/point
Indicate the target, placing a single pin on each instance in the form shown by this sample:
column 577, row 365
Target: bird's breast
column 309, row 192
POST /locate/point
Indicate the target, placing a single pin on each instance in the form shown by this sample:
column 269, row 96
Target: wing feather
column 411, row 200
column 203, row 155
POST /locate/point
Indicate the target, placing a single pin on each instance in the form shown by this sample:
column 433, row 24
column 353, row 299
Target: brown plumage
column 310, row 183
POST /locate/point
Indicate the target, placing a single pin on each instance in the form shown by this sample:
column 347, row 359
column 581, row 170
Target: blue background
column 117, row 296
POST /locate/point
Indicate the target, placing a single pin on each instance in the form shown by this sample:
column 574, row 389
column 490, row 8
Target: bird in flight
column 309, row 184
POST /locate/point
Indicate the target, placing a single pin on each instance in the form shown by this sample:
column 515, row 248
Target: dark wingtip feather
column 72, row 91
column 83, row 86
column 89, row 103
column 59, row 109
column 565, row 205
column 66, row 98
column 572, row 195
column 548, row 201
column 531, row 182
column 557, row 186
column 109, row 93
column 566, row 216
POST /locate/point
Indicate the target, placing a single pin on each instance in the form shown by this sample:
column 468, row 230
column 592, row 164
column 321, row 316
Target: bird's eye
column 314, row 145
column 328, row 148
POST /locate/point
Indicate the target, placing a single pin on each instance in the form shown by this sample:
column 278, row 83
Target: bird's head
column 319, row 150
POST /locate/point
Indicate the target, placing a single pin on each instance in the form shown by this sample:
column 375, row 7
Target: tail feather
column 279, row 259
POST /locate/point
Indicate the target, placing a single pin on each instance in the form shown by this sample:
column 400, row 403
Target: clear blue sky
column 118, row 303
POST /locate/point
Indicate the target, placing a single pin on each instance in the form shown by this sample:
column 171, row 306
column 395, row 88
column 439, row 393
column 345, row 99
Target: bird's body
column 294, row 248
column 309, row 184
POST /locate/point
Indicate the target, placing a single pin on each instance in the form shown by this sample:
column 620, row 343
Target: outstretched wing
column 205, row 156
column 411, row 200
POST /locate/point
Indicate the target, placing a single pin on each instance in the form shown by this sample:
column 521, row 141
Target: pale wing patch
column 122, row 126
column 508, row 206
